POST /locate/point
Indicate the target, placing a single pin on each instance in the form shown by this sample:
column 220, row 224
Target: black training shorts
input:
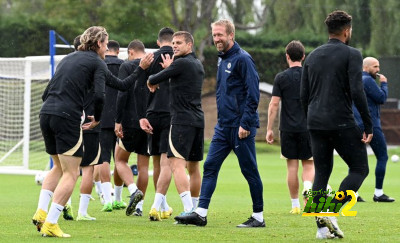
column 61, row 136
column 296, row 145
column 186, row 142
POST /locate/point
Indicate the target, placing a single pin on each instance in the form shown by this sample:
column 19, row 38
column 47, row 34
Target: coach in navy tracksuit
column 376, row 96
column 237, row 101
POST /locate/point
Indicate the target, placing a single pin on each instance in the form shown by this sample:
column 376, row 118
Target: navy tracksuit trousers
column 224, row 141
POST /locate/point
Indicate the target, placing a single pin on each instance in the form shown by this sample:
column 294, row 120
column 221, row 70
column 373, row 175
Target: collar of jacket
column 166, row 48
column 189, row 54
column 235, row 48
column 364, row 73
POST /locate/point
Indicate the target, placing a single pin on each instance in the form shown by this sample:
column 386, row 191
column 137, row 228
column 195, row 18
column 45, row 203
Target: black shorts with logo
column 61, row 136
column 296, row 145
column 186, row 142
column 134, row 141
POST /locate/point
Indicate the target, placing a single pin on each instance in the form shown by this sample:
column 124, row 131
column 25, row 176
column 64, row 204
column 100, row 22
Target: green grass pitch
column 230, row 205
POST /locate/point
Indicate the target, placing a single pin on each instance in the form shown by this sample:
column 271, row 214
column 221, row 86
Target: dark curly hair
column 337, row 21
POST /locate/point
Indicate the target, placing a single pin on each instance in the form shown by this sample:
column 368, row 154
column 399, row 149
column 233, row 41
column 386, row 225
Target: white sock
column 132, row 188
column 98, row 187
column 378, row 192
column 295, row 203
column 202, row 212
column 307, row 185
column 258, row 216
column 84, row 204
column 106, row 189
column 69, row 201
column 44, row 199
column 186, row 201
column 195, row 201
column 54, row 213
column 140, row 205
column 118, row 193
column 158, row 200
column 164, row 204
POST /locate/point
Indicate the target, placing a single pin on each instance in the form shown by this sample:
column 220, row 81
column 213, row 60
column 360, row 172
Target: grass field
column 230, row 205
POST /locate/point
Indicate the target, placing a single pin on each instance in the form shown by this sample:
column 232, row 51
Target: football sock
column 258, row 216
column 164, row 204
column 378, row 192
column 195, row 201
column 98, row 187
column 118, row 193
column 186, row 201
column 158, row 200
column 140, row 205
column 44, row 199
column 54, row 213
column 132, row 188
column 106, row 188
column 295, row 203
column 202, row 212
column 84, row 204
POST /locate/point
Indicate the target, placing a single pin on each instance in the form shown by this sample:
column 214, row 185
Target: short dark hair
column 136, row 45
column 113, row 45
column 187, row 36
column 295, row 50
column 165, row 34
column 337, row 21
column 77, row 42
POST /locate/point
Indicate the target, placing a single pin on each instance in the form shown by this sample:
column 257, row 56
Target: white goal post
column 22, row 82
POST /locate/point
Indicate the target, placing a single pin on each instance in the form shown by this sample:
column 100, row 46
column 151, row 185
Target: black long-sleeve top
column 186, row 74
column 157, row 102
column 76, row 74
column 109, row 110
column 331, row 81
column 126, row 109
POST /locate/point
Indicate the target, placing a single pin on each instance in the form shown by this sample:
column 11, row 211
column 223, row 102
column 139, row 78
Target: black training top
column 287, row 87
column 109, row 110
column 112, row 82
column 157, row 103
column 331, row 82
column 186, row 75
column 75, row 75
column 126, row 110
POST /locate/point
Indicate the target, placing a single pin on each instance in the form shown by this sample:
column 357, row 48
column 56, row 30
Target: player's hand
column 152, row 87
column 367, row 138
column 118, row 130
column 382, row 78
column 90, row 125
column 243, row 133
column 269, row 137
column 167, row 60
column 145, row 126
column 146, row 61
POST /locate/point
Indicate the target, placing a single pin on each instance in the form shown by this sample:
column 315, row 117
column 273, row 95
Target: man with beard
column 237, row 101
column 376, row 96
column 331, row 82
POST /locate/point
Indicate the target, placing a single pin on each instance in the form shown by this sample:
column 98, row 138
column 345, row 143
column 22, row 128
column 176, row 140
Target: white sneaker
column 324, row 233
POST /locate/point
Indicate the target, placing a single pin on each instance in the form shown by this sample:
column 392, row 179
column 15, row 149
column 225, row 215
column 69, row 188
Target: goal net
column 22, row 82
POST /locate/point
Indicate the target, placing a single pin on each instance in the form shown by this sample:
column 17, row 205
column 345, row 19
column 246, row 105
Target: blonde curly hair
column 91, row 36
